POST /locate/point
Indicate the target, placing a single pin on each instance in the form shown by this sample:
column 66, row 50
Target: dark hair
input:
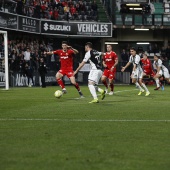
column 89, row 44
column 156, row 56
column 145, row 54
column 64, row 42
column 132, row 48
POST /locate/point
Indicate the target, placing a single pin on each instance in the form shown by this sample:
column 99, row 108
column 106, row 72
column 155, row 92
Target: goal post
column 4, row 70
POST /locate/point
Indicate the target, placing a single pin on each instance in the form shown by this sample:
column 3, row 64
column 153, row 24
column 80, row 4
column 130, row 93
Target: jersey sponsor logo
column 108, row 59
column 64, row 57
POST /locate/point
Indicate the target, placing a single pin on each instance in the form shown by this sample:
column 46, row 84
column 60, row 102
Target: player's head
column 132, row 51
column 145, row 56
column 88, row 46
column 109, row 47
column 156, row 58
column 64, row 45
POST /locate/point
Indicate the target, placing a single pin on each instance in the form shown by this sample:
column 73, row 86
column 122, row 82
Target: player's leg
column 134, row 81
column 161, row 82
column 92, row 90
column 76, row 85
column 166, row 76
column 144, row 86
column 104, row 79
column 98, row 89
column 111, row 85
column 93, row 80
column 111, row 82
column 60, row 81
column 156, row 78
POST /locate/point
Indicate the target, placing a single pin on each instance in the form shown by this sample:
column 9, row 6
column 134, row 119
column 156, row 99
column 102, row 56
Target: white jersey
column 160, row 64
column 163, row 70
column 138, row 73
column 93, row 57
column 136, row 60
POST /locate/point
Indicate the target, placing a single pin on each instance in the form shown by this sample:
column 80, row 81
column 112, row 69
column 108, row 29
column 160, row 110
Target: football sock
column 138, row 86
column 60, row 82
column 98, row 89
column 105, row 83
column 77, row 86
column 157, row 82
column 111, row 86
column 144, row 86
column 92, row 91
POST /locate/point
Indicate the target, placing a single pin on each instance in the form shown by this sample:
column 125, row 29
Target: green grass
column 38, row 131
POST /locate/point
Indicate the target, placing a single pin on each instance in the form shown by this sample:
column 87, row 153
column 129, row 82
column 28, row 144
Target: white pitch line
column 119, row 91
column 85, row 120
column 124, row 91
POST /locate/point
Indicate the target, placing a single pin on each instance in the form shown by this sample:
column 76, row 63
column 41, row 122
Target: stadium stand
column 85, row 10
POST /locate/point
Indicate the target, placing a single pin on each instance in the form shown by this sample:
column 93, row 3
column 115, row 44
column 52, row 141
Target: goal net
column 4, row 72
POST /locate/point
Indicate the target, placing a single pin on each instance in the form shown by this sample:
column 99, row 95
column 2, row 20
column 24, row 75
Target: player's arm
column 79, row 67
column 74, row 50
column 158, row 69
column 86, row 58
column 124, row 68
column 116, row 63
column 104, row 64
column 159, row 66
column 134, row 67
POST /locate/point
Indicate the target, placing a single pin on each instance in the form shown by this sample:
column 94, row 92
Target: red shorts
column 109, row 74
column 68, row 73
column 152, row 74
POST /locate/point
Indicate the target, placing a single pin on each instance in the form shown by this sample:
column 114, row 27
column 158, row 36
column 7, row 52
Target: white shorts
column 137, row 75
column 95, row 75
column 165, row 72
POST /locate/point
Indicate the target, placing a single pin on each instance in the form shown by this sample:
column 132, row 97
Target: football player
column 110, row 61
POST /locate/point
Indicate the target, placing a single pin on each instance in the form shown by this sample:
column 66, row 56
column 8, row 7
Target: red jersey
column 66, row 59
column 147, row 66
column 109, row 59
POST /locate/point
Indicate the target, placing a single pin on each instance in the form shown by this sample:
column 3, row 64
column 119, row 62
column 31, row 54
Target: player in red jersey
column 147, row 66
column 148, row 70
column 66, row 55
column 110, row 60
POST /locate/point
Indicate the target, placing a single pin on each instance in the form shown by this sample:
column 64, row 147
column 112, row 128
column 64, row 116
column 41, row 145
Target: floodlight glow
column 111, row 42
column 141, row 29
column 142, row 43
column 132, row 4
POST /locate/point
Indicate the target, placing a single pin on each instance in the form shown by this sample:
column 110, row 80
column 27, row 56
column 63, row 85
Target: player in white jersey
column 95, row 74
column 137, row 72
column 161, row 69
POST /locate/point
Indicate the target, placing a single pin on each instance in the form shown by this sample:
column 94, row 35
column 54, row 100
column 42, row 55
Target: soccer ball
column 58, row 93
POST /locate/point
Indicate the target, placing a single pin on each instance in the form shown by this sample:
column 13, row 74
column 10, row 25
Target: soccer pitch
column 123, row 132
